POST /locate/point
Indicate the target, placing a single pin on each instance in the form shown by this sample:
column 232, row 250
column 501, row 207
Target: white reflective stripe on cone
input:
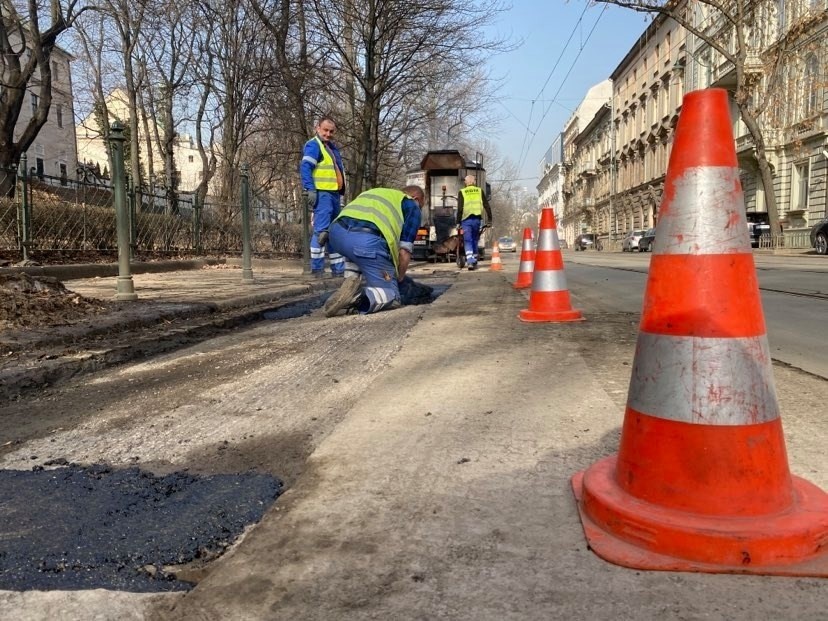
column 548, row 280
column 548, row 240
column 706, row 214
column 527, row 266
column 708, row 381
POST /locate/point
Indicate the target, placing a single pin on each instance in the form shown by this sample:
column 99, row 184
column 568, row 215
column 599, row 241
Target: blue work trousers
column 367, row 253
column 471, row 237
column 326, row 209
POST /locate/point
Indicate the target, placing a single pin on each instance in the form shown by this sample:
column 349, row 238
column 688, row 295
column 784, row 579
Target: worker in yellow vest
column 471, row 202
column 323, row 182
column 375, row 233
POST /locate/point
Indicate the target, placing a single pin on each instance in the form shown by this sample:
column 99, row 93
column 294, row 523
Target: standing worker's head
column 325, row 128
column 415, row 192
column 469, row 179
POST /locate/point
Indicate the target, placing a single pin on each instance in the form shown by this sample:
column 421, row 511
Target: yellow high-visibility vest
column 324, row 173
column 472, row 201
column 382, row 207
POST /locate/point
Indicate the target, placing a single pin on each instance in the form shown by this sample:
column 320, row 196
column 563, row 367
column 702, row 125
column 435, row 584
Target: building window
column 59, row 115
column 811, row 86
column 39, row 167
column 55, row 73
column 190, row 159
column 35, row 99
column 781, row 17
column 800, row 185
column 63, row 174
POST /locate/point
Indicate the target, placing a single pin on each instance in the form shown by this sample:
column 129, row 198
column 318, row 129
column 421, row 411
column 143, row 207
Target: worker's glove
column 310, row 198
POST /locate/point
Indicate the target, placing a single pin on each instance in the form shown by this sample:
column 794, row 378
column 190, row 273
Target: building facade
column 787, row 48
column 53, row 154
column 93, row 151
column 615, row 155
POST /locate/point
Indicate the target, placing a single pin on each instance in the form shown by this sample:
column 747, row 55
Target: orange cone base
column 523, row 285
column 550, row 316
column 495, row 267
column 627, row 531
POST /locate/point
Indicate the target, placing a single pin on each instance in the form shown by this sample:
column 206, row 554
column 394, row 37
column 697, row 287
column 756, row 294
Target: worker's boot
column 346, row 296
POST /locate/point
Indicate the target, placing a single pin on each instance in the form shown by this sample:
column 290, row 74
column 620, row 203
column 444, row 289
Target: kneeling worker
column 375, row 233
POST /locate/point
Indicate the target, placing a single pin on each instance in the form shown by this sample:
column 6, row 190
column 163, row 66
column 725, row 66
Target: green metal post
column 196, row 224
column 25, row 209
column 133, row 221
column 305, row 236
column 126, row 288
column 247, row 270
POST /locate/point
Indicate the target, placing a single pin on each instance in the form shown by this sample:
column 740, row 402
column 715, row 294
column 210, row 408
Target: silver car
column 630, row 242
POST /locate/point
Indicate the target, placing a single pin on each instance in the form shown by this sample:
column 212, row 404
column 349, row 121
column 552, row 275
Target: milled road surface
column 427, row 454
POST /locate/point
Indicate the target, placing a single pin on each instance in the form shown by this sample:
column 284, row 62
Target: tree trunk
column 764, row 170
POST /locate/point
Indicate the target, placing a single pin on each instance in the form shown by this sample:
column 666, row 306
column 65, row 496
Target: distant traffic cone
column 495, row 265
column 549, row 298
column 527, row 261
column 701, row 479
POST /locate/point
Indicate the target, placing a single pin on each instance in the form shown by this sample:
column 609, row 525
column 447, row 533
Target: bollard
column 126, row 288
column 247, row 270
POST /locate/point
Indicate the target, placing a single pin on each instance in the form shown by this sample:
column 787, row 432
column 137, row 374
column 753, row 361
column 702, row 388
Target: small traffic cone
column 495, row 265
column 701, row 479
column 549, row 298
column 527, row 262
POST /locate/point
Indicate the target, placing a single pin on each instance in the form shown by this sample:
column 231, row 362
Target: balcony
column 807, row 128
column 744, row 143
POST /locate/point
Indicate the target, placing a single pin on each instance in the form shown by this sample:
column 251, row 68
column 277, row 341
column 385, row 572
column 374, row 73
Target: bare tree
column 167, row 47
column 387, row 52
column 744, row 34
column 241, row 75
column 128, row 18
column 26, row 44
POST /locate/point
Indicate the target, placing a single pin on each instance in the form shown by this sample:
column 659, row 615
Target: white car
column 507, row 244
column 630, row 242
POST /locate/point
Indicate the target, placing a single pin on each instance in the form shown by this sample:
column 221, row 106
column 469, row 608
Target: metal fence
column 795, row 239
column 51, row 218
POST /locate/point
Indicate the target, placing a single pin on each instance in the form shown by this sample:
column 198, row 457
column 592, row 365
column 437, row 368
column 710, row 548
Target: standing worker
column 323, row 182
column 471, row 201
column 375, row 232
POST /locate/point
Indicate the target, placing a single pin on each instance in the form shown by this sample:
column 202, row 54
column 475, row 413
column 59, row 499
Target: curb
column 59, row 357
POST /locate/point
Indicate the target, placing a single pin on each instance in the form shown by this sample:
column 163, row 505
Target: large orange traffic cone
column 701, row 479
column 549, row 298
column 496, row 265
column 527, row 261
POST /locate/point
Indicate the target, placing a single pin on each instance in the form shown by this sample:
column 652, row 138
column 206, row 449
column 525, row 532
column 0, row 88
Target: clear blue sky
column 595, row 49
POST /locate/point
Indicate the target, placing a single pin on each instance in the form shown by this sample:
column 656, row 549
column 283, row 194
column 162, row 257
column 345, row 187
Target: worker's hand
column 310, row 198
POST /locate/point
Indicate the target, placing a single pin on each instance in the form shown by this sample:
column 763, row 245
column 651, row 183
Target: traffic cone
column 549, row 298
column 701, row 479
column 527, row 262
column 495, row 265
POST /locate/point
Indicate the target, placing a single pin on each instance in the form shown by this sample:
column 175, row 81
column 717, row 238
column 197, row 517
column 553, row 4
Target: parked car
column 507, row 244
column 587, row 240
column 646, row 242
column 630, row 242
column 758, row 223
column 819, row 236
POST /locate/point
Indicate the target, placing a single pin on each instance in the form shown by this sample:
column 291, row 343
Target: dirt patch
column 34, row 302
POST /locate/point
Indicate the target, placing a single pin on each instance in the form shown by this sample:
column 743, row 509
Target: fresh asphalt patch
column 94, row 527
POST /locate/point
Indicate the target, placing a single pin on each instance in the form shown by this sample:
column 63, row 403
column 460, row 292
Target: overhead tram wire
column 549, row 77
column 571, row 67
